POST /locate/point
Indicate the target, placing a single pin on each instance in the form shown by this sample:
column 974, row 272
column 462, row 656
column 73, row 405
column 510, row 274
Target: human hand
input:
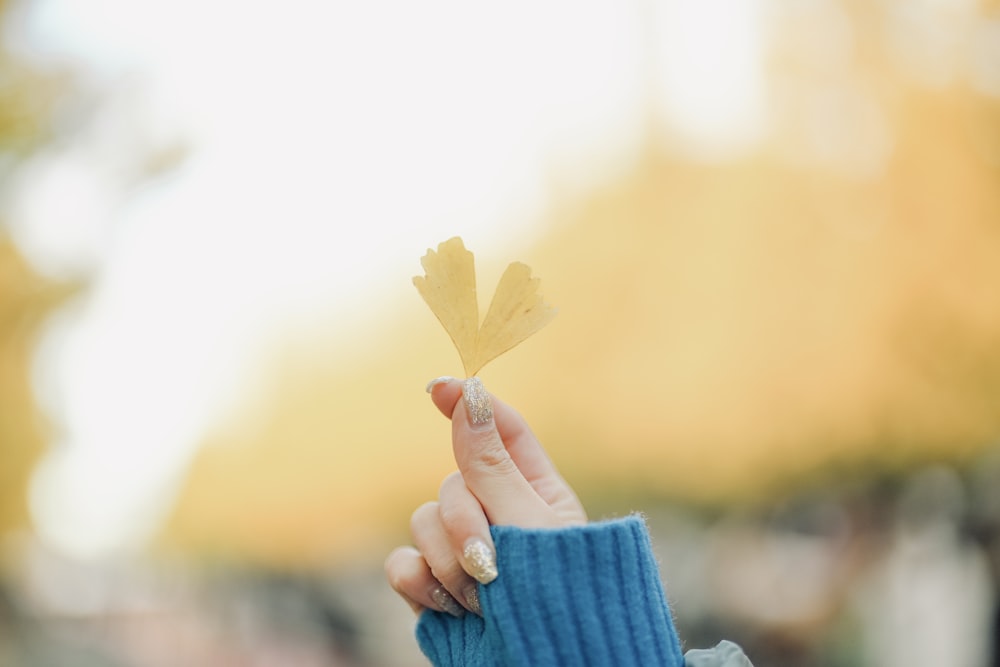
column 504, row 477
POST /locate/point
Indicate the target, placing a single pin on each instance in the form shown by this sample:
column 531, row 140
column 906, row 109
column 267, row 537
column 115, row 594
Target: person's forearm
column 572, row 596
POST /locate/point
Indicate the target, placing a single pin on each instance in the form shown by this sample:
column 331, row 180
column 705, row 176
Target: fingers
column 454, row 551
column 502, row 461
column 522, row 445
column 467, row 529
column 488, row 468
column 504, row 477
column 411, row 577
column 433, row 543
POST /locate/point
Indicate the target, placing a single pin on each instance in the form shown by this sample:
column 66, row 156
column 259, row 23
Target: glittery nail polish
column 477, row 402
column 480, row 560
column 471, row 594
column 446, row 602
column 444, row 379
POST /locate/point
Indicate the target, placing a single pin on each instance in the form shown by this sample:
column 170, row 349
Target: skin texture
column 504, row 477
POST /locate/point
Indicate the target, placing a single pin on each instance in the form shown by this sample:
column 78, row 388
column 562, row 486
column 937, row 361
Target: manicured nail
column 480, row 560
column 444, row 379
column 477, row 402
column 472, row 599
column 446, row 602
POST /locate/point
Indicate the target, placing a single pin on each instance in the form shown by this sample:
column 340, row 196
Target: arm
column 508, row 541
column 586, row 595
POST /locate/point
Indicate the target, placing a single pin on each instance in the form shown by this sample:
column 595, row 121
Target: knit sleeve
column 587, row 595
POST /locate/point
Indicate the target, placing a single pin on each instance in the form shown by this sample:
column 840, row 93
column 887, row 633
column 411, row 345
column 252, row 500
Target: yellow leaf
column 449, row 288
column 516, row 312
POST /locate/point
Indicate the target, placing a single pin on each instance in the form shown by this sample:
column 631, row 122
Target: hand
column 504, row 477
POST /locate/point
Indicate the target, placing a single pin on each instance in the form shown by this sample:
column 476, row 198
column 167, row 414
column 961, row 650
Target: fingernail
column 480, row 560
column 444, row 379
column 472, row 599
column 477, row 402
column 446, row 602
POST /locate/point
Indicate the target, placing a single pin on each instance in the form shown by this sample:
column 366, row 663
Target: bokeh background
column 772, row 230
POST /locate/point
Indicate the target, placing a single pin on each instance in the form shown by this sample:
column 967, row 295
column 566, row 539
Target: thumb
column 484, row 459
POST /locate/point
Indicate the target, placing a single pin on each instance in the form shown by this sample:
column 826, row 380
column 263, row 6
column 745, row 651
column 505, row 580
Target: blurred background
column 772, row 231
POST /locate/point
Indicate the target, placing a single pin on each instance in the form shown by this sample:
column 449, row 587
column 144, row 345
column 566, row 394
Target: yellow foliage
column 726, row 330
column 25, row 299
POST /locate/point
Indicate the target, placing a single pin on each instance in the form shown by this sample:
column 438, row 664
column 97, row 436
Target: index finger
column 524, row 448
column 487, row 460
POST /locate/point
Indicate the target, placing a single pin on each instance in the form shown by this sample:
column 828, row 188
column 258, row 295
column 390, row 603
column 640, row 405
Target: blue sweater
column 588, row 595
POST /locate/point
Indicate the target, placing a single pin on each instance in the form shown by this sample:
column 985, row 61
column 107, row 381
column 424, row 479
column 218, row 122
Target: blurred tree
column 29, row 95
column 726, row 330
column 28, row 104
column 25, row 299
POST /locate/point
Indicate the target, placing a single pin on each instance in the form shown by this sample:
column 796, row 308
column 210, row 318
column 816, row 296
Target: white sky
column 313, row 129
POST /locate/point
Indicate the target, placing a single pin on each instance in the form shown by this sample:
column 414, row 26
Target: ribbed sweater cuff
column 588, row 595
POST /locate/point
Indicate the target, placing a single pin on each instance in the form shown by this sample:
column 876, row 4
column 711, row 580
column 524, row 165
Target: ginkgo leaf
column 449, row 288
column 516, row 312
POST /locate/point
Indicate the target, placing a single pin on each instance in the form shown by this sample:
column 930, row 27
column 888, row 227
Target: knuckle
column 422, row 515
column 449, row 483
column 448, row 573
column 452, row 517
column 496, row 462
column 395, row 580
column 395, row 571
